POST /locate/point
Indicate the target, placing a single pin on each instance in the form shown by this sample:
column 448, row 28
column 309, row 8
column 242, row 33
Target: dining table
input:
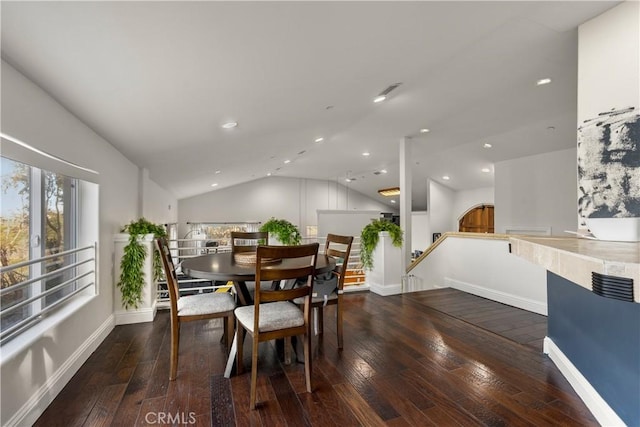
column 223, row 266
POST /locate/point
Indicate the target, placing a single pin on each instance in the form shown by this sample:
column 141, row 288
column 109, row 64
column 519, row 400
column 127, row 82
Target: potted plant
column 131, row 266
column 287, row 233
column 370, row 236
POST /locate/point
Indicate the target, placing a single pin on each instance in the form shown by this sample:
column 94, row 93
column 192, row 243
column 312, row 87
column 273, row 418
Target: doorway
column 477, row 220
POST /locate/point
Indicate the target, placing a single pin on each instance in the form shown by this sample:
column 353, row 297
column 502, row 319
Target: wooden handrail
column 491, row 236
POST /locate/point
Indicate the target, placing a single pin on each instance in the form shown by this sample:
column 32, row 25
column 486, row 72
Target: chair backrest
column 247, row 241
column 170, row 274
column 297, row 262
column 339, row 247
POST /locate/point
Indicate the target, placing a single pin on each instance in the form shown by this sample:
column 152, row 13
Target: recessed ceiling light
column 320, row 139
column 545, row 81
column 268, row 173
column 393, row 201
column 215, row 184
column 487, row 145
column 383, row 170
column 287, row 161
column 366, row 154
column 230, row 125
column 424, row 130
column 349, row 179
column 446, row 178
column 217, row 172
column 486, row 170
column 379, row 98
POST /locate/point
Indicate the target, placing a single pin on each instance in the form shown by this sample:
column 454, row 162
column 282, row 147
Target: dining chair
column 244, row 242
column 193, row 307
column 247, row 241
column 274, row 315
column 338, row 247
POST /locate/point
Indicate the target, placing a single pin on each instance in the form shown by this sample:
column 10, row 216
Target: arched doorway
column 477, row 220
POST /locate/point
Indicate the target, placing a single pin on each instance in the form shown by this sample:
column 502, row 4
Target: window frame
column 79, row 283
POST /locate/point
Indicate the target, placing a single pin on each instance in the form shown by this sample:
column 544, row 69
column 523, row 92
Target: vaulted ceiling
column 158, row 79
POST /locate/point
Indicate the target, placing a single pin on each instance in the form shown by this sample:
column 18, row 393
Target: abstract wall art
column 609, row 165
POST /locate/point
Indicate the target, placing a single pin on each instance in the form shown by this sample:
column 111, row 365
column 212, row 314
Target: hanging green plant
column 131, row 272
column 283, row 230
column 369, row 239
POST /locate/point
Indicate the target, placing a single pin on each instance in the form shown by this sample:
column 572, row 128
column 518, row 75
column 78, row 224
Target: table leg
column 243, row 293
column 232, row 357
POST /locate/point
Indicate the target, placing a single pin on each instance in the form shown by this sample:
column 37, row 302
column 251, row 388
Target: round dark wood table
column 223, row 267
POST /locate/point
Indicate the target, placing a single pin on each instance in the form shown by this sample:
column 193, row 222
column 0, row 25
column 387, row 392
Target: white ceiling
column 157, row 79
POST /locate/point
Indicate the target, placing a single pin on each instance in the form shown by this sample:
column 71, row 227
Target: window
column 43, row 261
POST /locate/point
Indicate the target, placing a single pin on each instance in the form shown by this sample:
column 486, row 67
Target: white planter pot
column 386, row 276
column 146, row 310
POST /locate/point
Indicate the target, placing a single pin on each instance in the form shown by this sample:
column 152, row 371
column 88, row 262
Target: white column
column 608, row 119
column 405, row 200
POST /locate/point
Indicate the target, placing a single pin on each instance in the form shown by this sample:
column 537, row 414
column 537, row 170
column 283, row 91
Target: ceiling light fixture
column 349, row 179
column 446, row 177
column 486, row 170
column 286, row 162
column 366, row 154
column 320, row 139
column 383, row 171
column 393, row 201
column 230, row 125
column 217, row 172
column 545, row 81
column 383, row 95
column 393, row 191
column 268, row 173
column 424, row 130
column 487, row 145
column 215, row 184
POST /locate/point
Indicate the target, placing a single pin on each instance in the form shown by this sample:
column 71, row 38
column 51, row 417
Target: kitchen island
column 594, row 340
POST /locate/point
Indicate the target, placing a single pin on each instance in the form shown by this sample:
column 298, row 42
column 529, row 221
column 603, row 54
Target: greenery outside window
column 40, row 216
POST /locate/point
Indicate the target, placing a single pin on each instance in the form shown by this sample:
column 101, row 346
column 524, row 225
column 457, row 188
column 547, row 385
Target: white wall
column 294, row 199
column 420, row 235
column 483, row 267
column 464, row 200
column 32, row 378
column 158, row 205
column 346, row 223
column 440, row 207
column 537, row 191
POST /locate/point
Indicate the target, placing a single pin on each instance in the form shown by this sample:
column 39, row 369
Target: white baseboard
column 386, row 290
column 503, row 297
column 34, row 407
column 140, row 315
column 596, row 404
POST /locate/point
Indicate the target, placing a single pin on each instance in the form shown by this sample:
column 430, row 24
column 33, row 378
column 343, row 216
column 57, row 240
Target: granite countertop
column 575, row 258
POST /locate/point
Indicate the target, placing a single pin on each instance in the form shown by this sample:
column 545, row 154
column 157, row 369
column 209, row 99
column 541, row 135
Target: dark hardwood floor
column 405, row 363
column 518, row 325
